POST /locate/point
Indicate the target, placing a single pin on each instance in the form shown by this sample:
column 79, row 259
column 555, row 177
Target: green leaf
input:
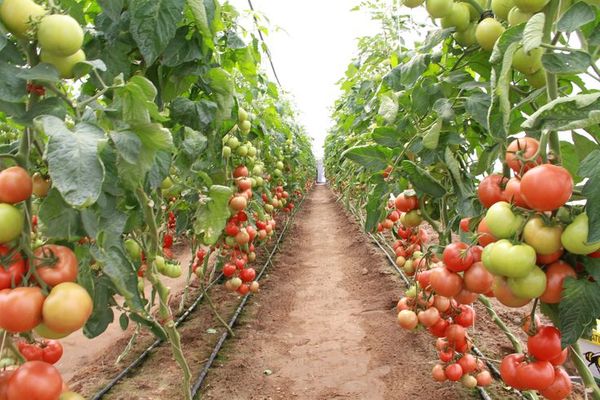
column 154, row 327
column 477, row 106
column 58, row 219
column 500, row 110
column 197, row 115
column 112, row 8
column 533, row 32
column 566, row 113
column 413, row 69
column 212, row 214
column 422, row 180
column 388, row 107
column 387, row 136
column 590, row 168
column 574, row 62
column 578, row 309
column 201, row 20
column 454, row 168
column 122, row 274
column 153, row 24
column 569, row 159
column 576, row 16
column 376, row 206
column 41, row 72
column 432, row 136
column 105, row 221
column 48, row 106
column 372, row 157
column 102, row 313
column 137, row 101
column 223, row 90
column 511, row 35
column 592, row 267
column 583, row 145
column 73, row 161
column 12, row 87
column 443, row 108
column 124, row 321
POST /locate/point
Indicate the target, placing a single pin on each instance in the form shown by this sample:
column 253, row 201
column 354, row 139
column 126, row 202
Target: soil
column 323, row 327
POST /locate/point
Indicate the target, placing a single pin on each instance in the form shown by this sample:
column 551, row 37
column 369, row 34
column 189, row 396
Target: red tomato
column 12, row 268
column 56, row 264
column 485, row 235
column 549, row 258
column 468, row 363
column 466, row 316
column 546, row 187
column 229, row 270
column 536, row 375
column 438, row 373
column 555, row 277
column 465, row 297
column 248, row 274
column 545, row 344
column 30, row 351
column 524, row 148
column 457, row 257
column 512, row 193
column 478, row 279
column 476, row 252
column 445, row 282
column 490, row 190
column 240, row 171
column 455, row 333
column 35, row 380
column 508, row 369
column 560, row 388
column 15, row 185
column 52, row 351
column 429, row 317
column 561, row 358
column 454, row 372
column 446, row 354
column 464, row 224
column 484, row 378
column 168, row 241
column 5, row 376
column 406, row 203
column 21, row 308
column 439, row 329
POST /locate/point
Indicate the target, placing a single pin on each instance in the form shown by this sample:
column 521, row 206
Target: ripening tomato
column 502, row 221
column 490, row 190
column 406, row 201
column 429, row 317
column 543, row 238
column 546, row 187
column 238, row 203
column 248, row 275
column 536, row 375
column 438, row 373
column 468, row 363
column 560, row 388
column 457, row 257
column 478, row 279
column 484, row 378
column 465, row 297
column 67, row 308
column 550, row 258
column 439, row 328
column 12, row 268
column 464, row 224
column 545, row 344
column 574, row 238
column 55, row 264
column 240, row 171
column 505, row 296
column 508, row 369
column 530, row 286
column 408, row 319
column 411, row 219
column 484, row 233
column 21, row 308
column 445, row 282
column 52, row 351
column 555, row 277
column 454, row 372
column 15, row 185
column 466, row 316
column 512, row 193
column 35, row 380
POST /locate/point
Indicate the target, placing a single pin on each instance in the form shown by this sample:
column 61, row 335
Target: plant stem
column 588, row 379
column 551, row 80
column 490, row 309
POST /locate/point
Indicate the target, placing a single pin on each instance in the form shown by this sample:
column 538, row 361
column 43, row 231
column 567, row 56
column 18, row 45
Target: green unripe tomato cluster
column 60, row 38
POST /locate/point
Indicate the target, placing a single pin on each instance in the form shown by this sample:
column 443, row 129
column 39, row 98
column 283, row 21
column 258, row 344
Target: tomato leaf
column 41, row 72
column 12, row 86
column 48, row 106
column 500, row 108
column 576, row 16
column 212, row 214
column 592, row 267
column 112, row 8
column 372, row 157
column 388, row 136
column 477, row 106
column 590, row 168
column 153, row 24
column 566, row 113
column 422, row 180
column 222, row 85
column 574, row 62
column 533, row 32
column 578, row 309
column 124, row 321
column 73, row 161
column 102, row 313
column 376, row 205
column 431, row 138
column 388, row 107
column 59, row 220
column 200, row 16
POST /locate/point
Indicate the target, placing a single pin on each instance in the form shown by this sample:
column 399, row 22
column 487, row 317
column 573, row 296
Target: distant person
column 320, row 172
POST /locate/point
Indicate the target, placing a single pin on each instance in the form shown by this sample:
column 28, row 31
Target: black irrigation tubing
column 204, row 373
column 482, row 392
column 144, row 355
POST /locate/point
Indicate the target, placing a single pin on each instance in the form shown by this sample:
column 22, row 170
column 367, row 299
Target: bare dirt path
column 324, row 326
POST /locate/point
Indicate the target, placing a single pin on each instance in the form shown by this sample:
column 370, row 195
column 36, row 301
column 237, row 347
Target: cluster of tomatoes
column 524, row 232
column 540, row 369
column 403, row 209
column 471, row 28
column 37, row 293
column 58, row 36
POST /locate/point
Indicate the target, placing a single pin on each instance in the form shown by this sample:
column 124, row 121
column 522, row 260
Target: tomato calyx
column 486, row 14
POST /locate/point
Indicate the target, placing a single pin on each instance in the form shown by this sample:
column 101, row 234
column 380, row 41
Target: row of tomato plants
column 126, row 126
column 483, row 129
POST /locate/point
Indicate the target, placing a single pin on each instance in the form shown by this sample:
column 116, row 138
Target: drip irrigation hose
column 204, row 372
column 144, row 355
column 494, row 371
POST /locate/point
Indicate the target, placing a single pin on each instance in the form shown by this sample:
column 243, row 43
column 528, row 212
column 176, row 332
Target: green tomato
column 47, row 333
column 411, row 219
column 11, row 223
column 538, row 79
column 411, row 292
column 544, row 239
column 531, row 6
column 159, row 261
column 438, row 8
column 242, row 151
column 277, row 172
column 64, row 65
column 140, row 284
column 257, row 170
column 530, row 286
column 513, row 261
column 230, row 241
column 501, row 8
column 259, row 181
column 133, row 249
column 166, row 184
column 516, row 16
column 487, row 33
column 528, row 63
column 226, row 152
column 172, row 270
column 575, row 236
column 458, row 18
column 279, row 165
column 269, row 208
column 245, row 126
column 412, row 3
column 60, row 35
column 251, row 151
column 501, row 220
column 466, row 38
column 242, row 115
column 233, row 142
column 17, row 15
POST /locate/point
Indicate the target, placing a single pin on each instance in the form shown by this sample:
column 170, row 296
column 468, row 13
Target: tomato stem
column 496, row 319
column 551, row 12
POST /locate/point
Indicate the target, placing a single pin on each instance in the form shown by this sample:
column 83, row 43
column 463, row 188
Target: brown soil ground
column 323, row 327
